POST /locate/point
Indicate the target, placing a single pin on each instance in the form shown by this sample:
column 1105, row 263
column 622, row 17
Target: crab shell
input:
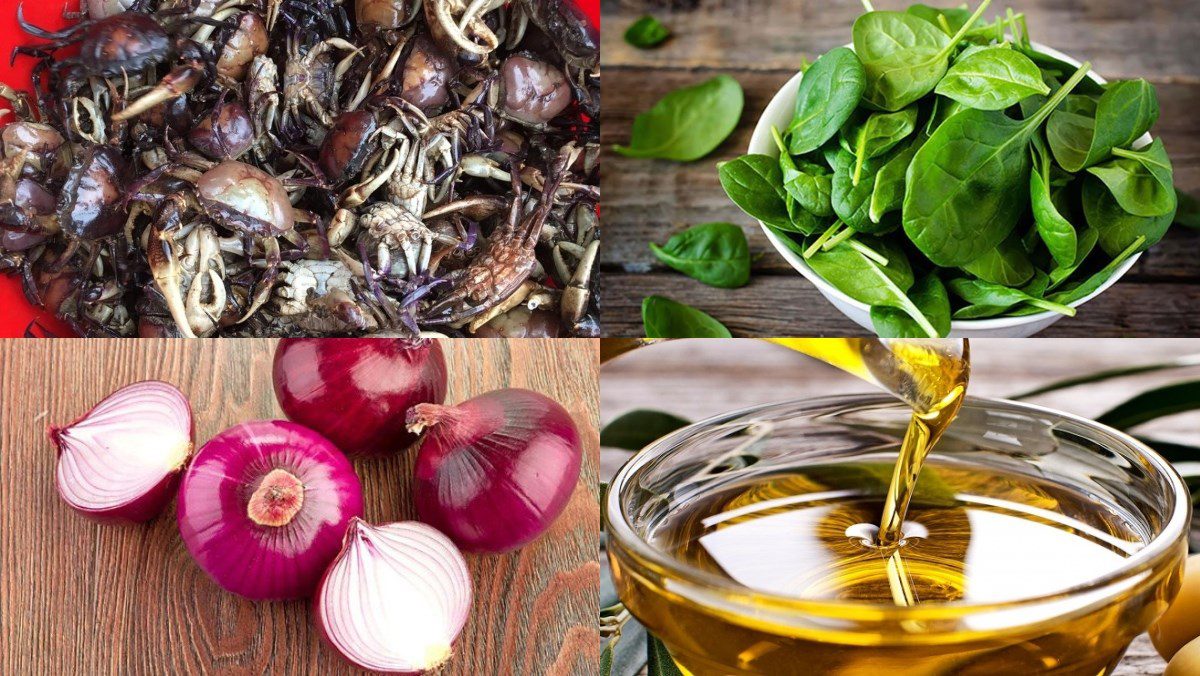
column 89, row 204
column 246, row 198
column 129, row 42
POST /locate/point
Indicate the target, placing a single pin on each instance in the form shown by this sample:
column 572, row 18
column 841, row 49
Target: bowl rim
column 761, row 143
column 1173, row 531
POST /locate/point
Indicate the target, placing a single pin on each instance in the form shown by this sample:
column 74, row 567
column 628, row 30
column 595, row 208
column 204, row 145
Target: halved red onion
column 355, row 391
column 121, row 460
column 395, row 598
column 263, row 508
column 495, row 471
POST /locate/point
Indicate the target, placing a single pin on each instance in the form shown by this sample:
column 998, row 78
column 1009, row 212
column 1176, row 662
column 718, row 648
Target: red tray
column 17, row 317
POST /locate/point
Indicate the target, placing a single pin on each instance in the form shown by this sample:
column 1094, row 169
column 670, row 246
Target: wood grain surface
column 760, row 43
column 700, row 378
column 84, row 598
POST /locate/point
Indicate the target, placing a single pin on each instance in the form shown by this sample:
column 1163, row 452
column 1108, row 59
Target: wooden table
column 83, row 598
column 699, row 378
column 761, row 43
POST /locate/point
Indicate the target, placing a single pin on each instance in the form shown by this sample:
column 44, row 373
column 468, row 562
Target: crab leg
column 178, row 82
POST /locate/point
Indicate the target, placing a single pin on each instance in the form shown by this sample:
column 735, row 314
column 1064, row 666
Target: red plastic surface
column 17, row 317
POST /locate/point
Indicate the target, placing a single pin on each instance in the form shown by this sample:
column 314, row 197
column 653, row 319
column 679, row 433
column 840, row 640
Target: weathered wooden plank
column 787, row 305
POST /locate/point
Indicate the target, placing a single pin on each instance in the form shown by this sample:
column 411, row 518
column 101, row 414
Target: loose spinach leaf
column 1123, row 114
column 665, row 318
column 888, row 194
column 930, row 297
column 876, row 134
column 635, row 430
column 713, row 253
column 904, row 56
column 1188, row 214
column 688, row 123
column 983, row 294
column 829, row 94
column 755, row 184
column 1055, row 230
column 646, row 32
column 992, row 79
column 1007, row 264
column 858, row 276
column 851, row 201
column 1116, row 227
column 1142, row 181
column 968, row 184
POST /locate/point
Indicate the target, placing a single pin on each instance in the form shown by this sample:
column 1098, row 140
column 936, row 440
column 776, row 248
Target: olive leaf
column 755, row 184
column 973, row 175
column 688, row 123
column 658, row 659
column 1153, row 404
column 1085, row 132
column 665, row 318
column 713, row 253
column 1116, row 227
column 904, row 56
column 646, row 32
column 828, row 95
column 930, row 297
column 992, row 79
column 635, row 430
column 1142, row 181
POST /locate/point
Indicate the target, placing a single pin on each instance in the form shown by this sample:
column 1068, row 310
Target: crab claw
column 575, row 297
column 262, row 292
column 167, row 273
column 178, row 82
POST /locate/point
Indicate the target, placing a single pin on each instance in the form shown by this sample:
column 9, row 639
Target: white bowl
column 779, row 114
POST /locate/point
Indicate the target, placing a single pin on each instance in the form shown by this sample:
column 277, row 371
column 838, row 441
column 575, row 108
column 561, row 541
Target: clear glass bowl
column 713, row 625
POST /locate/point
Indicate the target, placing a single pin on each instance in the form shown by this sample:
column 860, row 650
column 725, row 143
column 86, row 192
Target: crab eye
column 535, row 92
column 246, row 198
column 426, row 73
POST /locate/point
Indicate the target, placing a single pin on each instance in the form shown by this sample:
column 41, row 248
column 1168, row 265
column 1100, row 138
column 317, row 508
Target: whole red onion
column 395, row 598
column 263, row 508
column 356, row 391
column 495, row 471
column 121, row 460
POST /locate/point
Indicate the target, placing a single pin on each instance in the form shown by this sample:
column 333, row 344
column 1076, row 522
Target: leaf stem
column 867, row 251
column 838, row 239
column 829, row 232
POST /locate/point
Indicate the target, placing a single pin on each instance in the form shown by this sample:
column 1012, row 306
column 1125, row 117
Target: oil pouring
column 797, row 538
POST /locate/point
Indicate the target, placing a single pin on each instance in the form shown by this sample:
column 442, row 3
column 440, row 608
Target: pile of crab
column 307, row 167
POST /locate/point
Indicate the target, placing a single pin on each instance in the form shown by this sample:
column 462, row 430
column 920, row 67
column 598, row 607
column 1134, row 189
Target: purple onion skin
column 356, row 391
column 257, row 561
column 495, row 471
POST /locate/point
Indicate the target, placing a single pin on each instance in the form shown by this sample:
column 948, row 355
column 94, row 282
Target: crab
column 390, row 227
column 459, row 26
column 319, row 296
column 189, row 258
column 312, row 80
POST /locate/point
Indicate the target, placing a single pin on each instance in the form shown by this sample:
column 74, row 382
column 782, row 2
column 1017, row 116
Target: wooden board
column 760, row 43
column 700, row 378
column 84, row 598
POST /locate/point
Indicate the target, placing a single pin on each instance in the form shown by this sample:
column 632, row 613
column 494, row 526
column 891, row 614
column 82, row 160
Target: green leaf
column 635, row 430
column 955, row 18
column 1091, row 284
column 985, row 296
column 1054, row 229
column 828, row 95
column 665, row 318
column 1116, row 227
column 1154, row 404
column 658, row 660
column 1171, row 451
column 606, row 659
column 688, row 123
column 1142, row 181
column 851, row 200
column 1188, row 214
column 992, row 79
column 808, row 183
column 1007, row 264
column 930, row 297
column 856, row 274
column 755, row 184
column 713, row 253
column 876, row 134
column 646, row 32
column 1186, row 361
column 1125, row 112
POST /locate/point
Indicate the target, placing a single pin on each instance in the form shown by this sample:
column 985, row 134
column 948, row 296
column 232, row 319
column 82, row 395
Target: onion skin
column 85, row 464
column 495, row 471
column 395, row 598
column 216, row 519
column 356, row 391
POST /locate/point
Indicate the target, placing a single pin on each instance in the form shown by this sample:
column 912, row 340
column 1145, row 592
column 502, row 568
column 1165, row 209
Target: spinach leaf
column 992, row 79
column 646, row 32
column 801, row 220
column 1123, row 114
column 967, row 184
column 713, row 253
column 858, row 276
column 1088, row 287
column 930, row 297
column 985, row 297
column 1118, row 228
column 688, row 123
column 1142, row 181
column 852, row 201
column 876, row 134
column 904, row 56
column 829, row 94
column 955, row 18
column 1188, row 214
column 1055, row 230
column 665, row 318
column 943, row 109
column 755, row 184
column 1085, row 245
column 888, row 194
column 808, row 183
column 1007, row 264
column 1058, row 69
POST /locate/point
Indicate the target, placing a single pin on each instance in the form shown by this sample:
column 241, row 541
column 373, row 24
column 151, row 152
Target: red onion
column 495, row 471
column 356, row 391
column 264, row 506
column 395, row 598
column 121, row 460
